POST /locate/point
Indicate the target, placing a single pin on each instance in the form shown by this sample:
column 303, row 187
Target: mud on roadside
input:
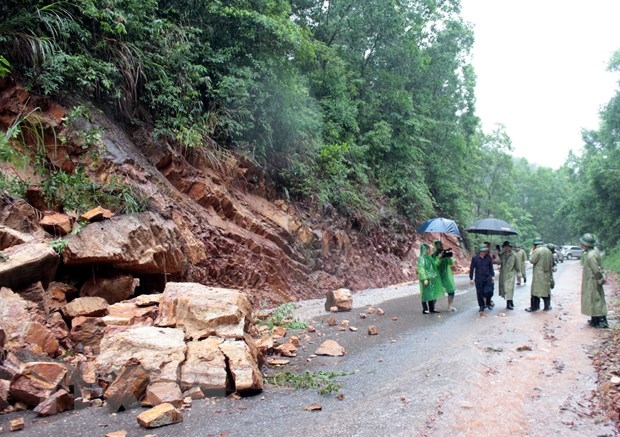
column 606, row 357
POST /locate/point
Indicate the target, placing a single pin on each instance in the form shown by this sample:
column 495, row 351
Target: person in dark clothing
column 482, row 274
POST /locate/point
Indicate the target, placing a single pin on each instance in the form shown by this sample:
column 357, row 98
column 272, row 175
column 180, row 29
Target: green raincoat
column 507, row 273
column 592, row 294
column 542, row 265
column 521, row 262
column 444, row 267
column 427, row 270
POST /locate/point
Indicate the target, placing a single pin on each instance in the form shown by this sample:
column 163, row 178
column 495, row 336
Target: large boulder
column 243, row 366
column 28, row 263
column 143, row 243
column 203, row 311
column 160, row 350
column 205, row 367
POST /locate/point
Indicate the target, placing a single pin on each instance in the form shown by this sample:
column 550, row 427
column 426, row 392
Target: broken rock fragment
column 161, row 415
column 330, row 348
column 342, row 299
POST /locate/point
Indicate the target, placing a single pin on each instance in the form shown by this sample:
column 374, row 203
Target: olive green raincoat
column 542, row 265
column 507, row 273
column 592, row 294
column 521, row 262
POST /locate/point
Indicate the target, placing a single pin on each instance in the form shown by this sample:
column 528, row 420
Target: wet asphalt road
column 393, row 385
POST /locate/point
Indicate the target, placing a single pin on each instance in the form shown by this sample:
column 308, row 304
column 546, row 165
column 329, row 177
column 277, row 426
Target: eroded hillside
column 236, row 230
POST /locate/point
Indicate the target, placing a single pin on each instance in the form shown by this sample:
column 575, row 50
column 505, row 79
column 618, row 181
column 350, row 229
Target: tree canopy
column 365, row 107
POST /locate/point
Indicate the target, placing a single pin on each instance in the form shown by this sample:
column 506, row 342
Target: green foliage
column 323, row 381
column 59, row 245
column 5, row 67
column 283, row 316
column 611, row 260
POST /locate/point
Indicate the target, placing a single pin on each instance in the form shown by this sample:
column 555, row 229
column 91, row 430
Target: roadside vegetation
column 368, row 111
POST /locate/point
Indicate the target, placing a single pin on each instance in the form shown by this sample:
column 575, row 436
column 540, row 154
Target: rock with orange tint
column 86, row 307
column 57, row 224
column 163, row 392
column 128, row 387
column 57, row 403
column 161, row 415
column 342, row 299
column 37, row 381
column 330, row 348
column 97, row 214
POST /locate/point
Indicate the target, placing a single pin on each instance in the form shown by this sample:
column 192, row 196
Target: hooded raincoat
column 507, row 273
column 444, row 267
column 592, row 294
column 521, row 262
column 542, row 265
column 427, row 270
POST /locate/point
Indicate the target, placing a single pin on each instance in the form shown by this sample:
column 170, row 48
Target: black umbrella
column 440, row 224
column 491, row 226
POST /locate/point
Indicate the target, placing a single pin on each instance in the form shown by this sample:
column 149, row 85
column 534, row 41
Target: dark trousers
column 484, row 292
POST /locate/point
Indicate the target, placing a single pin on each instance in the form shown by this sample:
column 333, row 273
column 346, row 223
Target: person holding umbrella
column 542, row 265
column 481, row 273
column 431, row 288
column 444, row 262
column 593, row 302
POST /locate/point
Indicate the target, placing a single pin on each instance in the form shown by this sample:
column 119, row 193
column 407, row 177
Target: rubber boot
column 547, row 301
column 431, row 306
column 425, row 308
column 601, row 323
column 534, row 304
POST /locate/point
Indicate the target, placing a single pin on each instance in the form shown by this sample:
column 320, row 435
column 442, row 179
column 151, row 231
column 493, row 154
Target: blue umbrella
column 439, row 224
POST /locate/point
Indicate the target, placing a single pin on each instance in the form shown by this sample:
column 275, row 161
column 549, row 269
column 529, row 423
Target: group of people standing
column 437, row 280
column 482, row 273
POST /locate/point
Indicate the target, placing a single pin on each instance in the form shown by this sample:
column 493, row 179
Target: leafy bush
column 611, row 260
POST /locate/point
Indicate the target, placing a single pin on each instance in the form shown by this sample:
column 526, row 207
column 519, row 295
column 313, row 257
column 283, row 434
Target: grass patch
column 283, row 316
column 324, row 381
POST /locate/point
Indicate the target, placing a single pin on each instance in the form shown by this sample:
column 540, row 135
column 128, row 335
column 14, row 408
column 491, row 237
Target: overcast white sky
column 542, row 70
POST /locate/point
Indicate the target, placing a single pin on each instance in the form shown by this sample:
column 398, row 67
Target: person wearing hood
column 507, row 273
column 593, row 302
column 542, row 271
column 431, row 288
column 521, row 264
column 444, row 262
